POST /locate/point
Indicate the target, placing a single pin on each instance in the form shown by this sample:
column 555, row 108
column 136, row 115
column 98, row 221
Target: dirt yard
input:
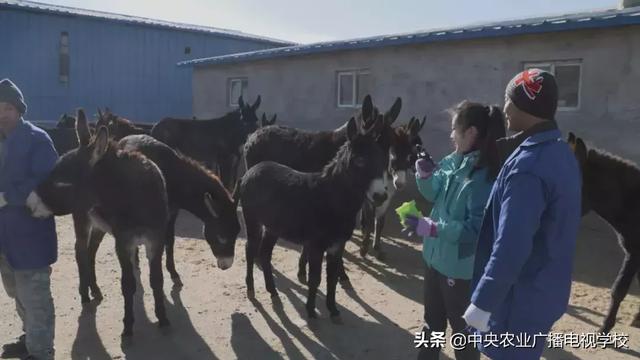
column 212, row 318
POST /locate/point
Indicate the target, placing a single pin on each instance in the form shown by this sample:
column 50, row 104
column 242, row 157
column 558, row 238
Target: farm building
column 64, row 58
column 595, row 57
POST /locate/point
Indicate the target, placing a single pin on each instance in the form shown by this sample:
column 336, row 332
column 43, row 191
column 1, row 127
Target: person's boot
column 16, row 350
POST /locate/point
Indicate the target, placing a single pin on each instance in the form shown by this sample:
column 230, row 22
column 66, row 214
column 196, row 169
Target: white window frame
column 354, row 75
column 234, row 102
column 552, row 66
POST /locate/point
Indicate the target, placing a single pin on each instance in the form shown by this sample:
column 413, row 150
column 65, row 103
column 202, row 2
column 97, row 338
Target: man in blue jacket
column 28, row 246
column 522, row 272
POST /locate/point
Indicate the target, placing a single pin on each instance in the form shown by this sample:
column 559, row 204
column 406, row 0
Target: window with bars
column 237, row 87
column 63, row 71
column 352, row 87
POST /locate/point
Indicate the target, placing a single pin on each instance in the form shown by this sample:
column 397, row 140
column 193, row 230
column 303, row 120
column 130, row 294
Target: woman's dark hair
column 490, row 124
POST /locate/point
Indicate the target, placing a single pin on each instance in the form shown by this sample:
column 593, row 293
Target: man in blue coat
column 28, row 246
column 522, row 272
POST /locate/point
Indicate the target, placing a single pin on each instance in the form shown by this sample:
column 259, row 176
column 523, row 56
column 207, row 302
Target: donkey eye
column 359, row 161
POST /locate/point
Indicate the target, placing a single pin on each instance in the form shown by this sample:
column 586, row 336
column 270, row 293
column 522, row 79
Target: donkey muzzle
column 225, row 262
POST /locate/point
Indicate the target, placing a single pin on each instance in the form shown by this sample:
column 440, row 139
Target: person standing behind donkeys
column 28, row 246
column 459, row 189
column 522, row 275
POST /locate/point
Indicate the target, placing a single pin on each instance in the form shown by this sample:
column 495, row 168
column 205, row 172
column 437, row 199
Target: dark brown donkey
column 216, row 142
column 122, row 193
column 190, row 187
column 611, row 188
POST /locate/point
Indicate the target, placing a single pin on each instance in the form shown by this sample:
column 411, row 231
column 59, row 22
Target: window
column 187, row 50
column 237, row 87
column 568, row 77
column 63, row 71
column 353, row 86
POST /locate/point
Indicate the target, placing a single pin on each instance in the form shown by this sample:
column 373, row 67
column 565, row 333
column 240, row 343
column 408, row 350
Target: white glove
column 477, row 318
column 3, row 201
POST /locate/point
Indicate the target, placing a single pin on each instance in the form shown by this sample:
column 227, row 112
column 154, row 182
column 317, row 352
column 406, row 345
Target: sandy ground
column 212, row 318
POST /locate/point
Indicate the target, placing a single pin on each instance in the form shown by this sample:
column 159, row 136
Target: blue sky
column 311, row 21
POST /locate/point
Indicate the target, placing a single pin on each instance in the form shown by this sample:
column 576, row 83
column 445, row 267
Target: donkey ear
column 352, row 129
column 82, row 129
column 418, row 125
column 100, row 145
column 240, row 102
column 273, row 119
column 580, row 151
column 210, row 204
column 257, row 103
column 391, row 115
column 263, row 120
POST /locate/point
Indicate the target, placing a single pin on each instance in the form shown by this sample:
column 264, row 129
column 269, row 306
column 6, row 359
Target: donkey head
column 66, row 122
column 222, row 228
column 581, row 152
column 248, row 114
column 405, row 145
column 265, row 122
column 66, row 188
column 366, row 158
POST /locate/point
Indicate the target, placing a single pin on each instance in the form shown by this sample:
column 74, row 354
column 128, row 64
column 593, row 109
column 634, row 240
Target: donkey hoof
column 363, row 252
column 302, row 278
column 337, row 319
column 380, row 255
column 346, row 284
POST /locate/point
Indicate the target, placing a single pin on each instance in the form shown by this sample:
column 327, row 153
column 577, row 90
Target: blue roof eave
column 608, row 19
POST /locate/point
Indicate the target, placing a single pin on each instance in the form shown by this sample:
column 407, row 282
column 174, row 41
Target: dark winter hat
column 535, row 92
column 10, row 93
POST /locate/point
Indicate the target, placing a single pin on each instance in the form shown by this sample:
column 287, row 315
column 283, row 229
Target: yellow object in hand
column 408, row 208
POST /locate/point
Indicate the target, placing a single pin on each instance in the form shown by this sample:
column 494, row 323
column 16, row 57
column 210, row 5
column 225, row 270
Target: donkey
column 602, row 173
column 402, row 143
column 214, row 142
column 122, row 193
column 120, row 127
column 315, row 209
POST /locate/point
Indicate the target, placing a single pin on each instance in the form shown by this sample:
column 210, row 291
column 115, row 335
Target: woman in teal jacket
column 458, row 187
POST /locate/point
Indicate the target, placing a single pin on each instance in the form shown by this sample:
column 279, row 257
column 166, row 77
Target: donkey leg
column 251, row 249
column 266, row 250
column 315, row 272
column 127, row 284
column 81, row 226
column 343, row 278
column 367, row 222
column 170, row 239
column 377, row 238
column 302, row 266
column 95, row 240
column 334, row 255
column 156, row 280
column 619, row 291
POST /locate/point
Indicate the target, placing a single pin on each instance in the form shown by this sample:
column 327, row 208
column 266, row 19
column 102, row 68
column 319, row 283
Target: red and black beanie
column 535, row 92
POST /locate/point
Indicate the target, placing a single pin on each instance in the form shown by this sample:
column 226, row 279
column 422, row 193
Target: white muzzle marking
column 225, row 262
column 37, row 207
column 400, row 179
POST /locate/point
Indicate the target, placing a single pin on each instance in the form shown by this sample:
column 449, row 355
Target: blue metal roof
column 588, row 20
column 72, row 11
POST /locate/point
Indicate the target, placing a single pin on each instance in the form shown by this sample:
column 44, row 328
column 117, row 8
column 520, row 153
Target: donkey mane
column 193, row 169
column 605, row 159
